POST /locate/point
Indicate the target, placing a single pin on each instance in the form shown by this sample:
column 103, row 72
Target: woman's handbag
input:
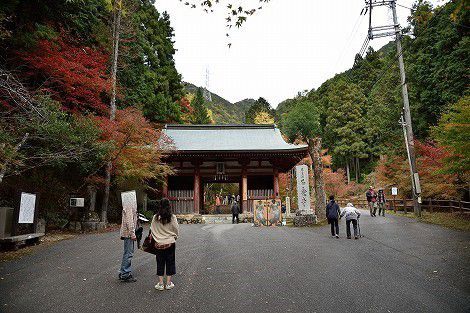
column 151, row 246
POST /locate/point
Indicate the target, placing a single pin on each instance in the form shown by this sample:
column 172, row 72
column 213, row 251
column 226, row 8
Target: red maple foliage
column 73, row 74
column 431, row 158
column 185, row 105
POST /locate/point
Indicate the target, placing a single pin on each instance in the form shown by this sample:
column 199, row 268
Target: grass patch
column 450, row 220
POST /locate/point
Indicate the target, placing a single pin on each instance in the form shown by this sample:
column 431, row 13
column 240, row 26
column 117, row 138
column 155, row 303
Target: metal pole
column 407, row 116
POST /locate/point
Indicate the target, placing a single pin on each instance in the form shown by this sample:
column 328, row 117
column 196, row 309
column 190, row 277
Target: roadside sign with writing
column 394, row 191
column 303, row 191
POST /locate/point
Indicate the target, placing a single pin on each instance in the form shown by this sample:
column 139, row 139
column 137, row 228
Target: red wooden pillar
column 165, row 188
column 244, row 189
column 276, row 183
column 197, row 187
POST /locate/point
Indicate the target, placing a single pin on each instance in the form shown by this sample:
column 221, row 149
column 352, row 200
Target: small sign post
column 394, row 194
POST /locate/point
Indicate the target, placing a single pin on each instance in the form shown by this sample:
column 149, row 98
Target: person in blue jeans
column 127, row 233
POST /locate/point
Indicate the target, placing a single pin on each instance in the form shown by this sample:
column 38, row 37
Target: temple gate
column 250, row 155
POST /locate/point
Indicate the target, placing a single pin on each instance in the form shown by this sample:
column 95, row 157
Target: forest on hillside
column 56, row 131
column 356, row 113
column 64, row 65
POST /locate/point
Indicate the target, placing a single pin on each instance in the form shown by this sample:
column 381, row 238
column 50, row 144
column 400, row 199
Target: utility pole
column 394, row 30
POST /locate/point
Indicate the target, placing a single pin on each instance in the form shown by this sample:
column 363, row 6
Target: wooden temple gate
column 250, row 155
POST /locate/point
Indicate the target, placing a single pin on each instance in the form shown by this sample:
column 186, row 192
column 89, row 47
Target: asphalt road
column 398, row 266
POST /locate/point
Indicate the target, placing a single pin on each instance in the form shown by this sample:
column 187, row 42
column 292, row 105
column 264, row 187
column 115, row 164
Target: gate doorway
column 218, row 197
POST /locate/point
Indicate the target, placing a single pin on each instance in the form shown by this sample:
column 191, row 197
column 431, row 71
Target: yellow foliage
column 263, row 118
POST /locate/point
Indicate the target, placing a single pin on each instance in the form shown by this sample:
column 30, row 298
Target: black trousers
column 334, row 226
column 166, row 259
column 348, row 228
column 235, row 216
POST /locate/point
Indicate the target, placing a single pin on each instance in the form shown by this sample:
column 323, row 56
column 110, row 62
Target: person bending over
column 352, row 215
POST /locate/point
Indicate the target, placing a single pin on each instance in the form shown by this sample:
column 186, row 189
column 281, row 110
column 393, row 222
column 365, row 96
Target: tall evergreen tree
column 345, row 127
column 149, row 74
column 200, row 113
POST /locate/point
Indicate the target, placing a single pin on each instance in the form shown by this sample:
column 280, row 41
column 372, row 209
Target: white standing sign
column 303, row 191
column 27, row 207
column 394, row 191
column 129, row 200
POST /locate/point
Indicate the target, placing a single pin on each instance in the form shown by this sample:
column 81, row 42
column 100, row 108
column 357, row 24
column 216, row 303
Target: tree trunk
column 117, row 6
column 347, row 171
column 314, row 145
column 356, row 169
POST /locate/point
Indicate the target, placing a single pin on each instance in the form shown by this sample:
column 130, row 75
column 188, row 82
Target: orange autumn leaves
column 136, row 149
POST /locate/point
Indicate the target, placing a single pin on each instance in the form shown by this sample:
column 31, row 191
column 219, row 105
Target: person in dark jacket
column 381, row 201
column 235, row 211
column 332, row 214
column 371, row 196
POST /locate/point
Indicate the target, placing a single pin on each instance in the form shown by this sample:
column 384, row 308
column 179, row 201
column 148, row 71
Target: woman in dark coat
column 332, row 214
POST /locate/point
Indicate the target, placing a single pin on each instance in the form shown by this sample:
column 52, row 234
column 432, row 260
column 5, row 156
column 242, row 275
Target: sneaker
column 128, row 279
column 337, row 236
column 356, row 237
column 169, row 286
column 333, row 236
column 160, row 287
column 349, row 237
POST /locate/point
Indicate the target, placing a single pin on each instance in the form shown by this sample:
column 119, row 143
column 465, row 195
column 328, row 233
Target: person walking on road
column 371, row 196
column 235, row 212
column 352, row 215
column 381, row 201
column 165, row 231
column 332, row 214
column 128, row 227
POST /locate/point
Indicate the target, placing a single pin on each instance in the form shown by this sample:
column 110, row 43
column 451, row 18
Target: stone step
column 217, row 219
column 226, row 218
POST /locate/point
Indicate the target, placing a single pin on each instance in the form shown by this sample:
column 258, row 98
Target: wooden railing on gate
column 406, row 205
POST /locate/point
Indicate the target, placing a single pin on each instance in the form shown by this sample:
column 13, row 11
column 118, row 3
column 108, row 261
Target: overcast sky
column 287, row 47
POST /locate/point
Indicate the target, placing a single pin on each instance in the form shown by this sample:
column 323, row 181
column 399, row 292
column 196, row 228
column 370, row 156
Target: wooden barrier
column 406, row 205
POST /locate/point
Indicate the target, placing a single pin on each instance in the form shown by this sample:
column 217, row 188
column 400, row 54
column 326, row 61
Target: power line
column 352, row 35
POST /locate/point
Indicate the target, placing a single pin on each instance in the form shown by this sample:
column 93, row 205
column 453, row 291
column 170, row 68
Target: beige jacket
column 129, row 222
column 164, row 234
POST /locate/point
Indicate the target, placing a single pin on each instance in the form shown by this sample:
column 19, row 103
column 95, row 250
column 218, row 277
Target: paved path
column 399, row 266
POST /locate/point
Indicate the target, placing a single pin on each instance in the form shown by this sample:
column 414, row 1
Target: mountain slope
column 223, row 111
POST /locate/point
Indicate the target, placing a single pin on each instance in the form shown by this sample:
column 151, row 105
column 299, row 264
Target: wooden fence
column 257, row 194
column 406, row 205
column 181, row 201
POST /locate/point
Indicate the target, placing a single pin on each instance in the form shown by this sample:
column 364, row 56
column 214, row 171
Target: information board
column 27, row 207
